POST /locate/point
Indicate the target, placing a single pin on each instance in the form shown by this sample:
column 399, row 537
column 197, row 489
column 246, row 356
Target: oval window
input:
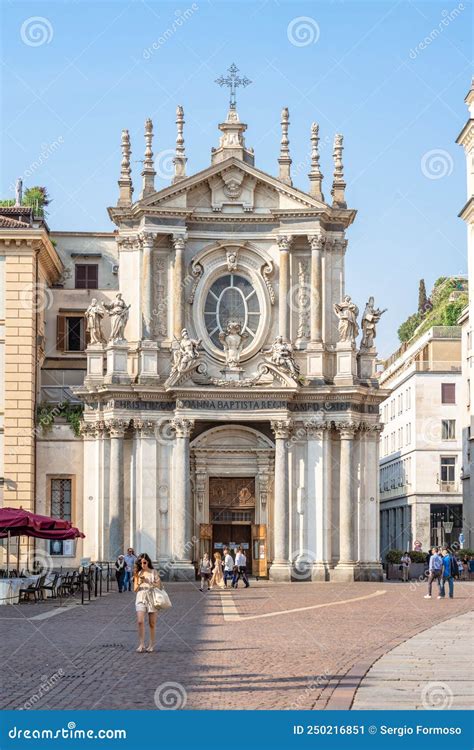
column 231, row 297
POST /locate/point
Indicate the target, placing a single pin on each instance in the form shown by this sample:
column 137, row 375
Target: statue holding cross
column 233, row 81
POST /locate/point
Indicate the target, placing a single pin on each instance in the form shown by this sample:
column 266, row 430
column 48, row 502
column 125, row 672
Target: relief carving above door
column 232, row 492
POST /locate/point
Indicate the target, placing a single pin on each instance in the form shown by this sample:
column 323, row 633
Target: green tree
column 38, row 198
column 407, row 329
column 422, row 298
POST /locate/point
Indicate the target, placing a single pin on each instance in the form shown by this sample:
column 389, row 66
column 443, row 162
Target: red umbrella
column 18, row 518
column 19, row 522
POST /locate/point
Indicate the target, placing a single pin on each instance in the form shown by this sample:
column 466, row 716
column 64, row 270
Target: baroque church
column 227, row 378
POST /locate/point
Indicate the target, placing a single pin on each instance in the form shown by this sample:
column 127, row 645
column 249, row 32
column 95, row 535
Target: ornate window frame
column 215, row 265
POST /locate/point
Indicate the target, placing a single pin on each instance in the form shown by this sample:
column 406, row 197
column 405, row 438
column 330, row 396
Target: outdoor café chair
column 34, row 588
column 52, row 586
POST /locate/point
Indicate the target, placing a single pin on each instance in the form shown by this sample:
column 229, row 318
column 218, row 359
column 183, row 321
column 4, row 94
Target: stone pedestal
column 148, row 362
column 117, row 363
column 95, row 364
column 366, row 364
column 315, row 350
column 346, row 364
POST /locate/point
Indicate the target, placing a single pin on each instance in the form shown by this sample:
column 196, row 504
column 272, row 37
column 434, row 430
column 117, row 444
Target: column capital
column 284, row 242
column 144, row 427
column 147, row 239
column 316, row 241
column 88, row 430
column 182, row 427
column 117, row 427
column 316, row 429
column 374, row 429
column 281, row 428
column 347, row 430
column 179, row 241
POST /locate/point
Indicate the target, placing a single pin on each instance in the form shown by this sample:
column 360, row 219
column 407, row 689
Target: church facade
column 215, row 351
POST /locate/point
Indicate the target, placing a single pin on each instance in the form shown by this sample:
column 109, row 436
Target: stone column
column 344, row 570
column 117, row 429
column 179, row 243
column 317, row 243
column 147, row 240
column 284, row 243
column 91, row 490
column 319, row 498
column 146, row 486
column 182, row 513
column 280, row 568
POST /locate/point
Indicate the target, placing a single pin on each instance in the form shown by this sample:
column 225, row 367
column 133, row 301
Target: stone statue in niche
column 370, row 318
column 118, row 313
column 94, row 314
column 283, row 358
column 233, row 340
column 186, row 352
column 347, row 312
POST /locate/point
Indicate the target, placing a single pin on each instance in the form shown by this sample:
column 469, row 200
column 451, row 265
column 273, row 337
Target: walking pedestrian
column 228, row 566
column 120, row 568
column 217, row 577
column 240, row 569
column 434, row 571
column 205, row 571
column 130, row 560
column 405, row 565
column 144, row 580
column 447, row 574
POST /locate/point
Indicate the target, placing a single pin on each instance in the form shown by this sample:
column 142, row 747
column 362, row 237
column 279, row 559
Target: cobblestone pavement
column 228, row 650
column 434, row 669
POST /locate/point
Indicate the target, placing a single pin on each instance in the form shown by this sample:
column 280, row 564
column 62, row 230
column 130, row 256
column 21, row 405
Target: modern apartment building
column 420, row 451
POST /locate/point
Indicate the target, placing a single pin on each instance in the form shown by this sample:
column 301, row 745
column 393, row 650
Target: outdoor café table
column 10, row 588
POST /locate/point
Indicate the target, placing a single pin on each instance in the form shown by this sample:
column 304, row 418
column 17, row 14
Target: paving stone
column 293, row 660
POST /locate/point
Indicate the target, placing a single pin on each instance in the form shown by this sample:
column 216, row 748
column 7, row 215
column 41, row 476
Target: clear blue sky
column 355, row 67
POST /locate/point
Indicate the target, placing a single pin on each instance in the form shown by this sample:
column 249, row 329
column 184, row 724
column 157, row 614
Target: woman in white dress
column 144, row 580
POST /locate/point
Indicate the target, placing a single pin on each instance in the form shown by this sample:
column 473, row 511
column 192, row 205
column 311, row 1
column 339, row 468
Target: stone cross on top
column 232, row 81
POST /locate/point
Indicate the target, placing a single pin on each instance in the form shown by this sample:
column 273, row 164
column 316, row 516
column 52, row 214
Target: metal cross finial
column 232, row 80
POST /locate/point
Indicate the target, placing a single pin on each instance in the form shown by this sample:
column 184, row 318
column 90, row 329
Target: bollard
column 108, row 576
column 82, row 586
column 96, row 581
column 100, row 583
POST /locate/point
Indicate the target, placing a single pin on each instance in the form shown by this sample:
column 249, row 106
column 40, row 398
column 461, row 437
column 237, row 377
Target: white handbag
column 159, row 598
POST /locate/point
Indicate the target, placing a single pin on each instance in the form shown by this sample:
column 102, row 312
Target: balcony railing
column 437, row 366
column 449, row 487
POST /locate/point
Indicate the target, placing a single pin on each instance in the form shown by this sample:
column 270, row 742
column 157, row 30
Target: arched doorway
column 232, row 469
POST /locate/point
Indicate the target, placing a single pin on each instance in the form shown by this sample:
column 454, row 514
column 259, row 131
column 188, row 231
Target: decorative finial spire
column 285, row 161
column 125, row 181
column 338, row 184
column 233, row 81
column 315, row 175
column 148, row 171
column 180, row 158
column 18, row 192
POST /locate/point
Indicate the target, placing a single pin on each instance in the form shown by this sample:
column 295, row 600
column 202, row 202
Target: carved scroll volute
column 266, row 271
column 197, row 271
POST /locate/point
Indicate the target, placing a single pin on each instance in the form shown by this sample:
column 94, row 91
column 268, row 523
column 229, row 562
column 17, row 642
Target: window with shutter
column 61, row 333
column 87, row 276
column 448, row 393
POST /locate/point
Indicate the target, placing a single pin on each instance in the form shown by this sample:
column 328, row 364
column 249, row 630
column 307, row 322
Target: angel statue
column 118, row 312
column 370, row 319
column 232, row 340
column 94, row 314
column 282, row 357
column 347, row 312
column 185, row 352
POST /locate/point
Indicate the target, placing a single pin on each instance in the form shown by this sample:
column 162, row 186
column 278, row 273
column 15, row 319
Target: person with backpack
column 434, row 571
column 449, row 572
